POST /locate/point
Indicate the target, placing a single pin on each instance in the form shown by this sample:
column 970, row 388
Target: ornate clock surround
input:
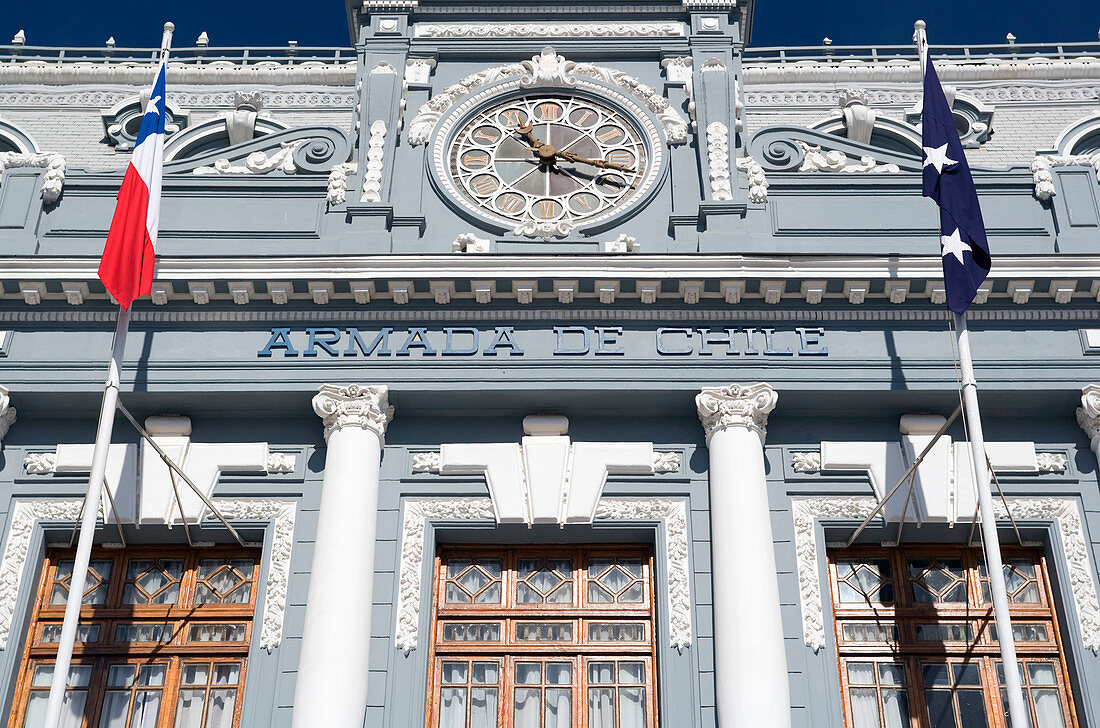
column 599, row 92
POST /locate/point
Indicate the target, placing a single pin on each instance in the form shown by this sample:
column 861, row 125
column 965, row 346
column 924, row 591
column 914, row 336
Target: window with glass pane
column 564, row 639
column 917, row 643
column 162, row 639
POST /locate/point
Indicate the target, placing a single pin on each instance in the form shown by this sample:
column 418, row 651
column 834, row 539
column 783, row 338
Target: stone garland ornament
column 547, row 69
column 816, row 160
column 1063, row 511
column 758, row 179
column 1088, row 414
column 673, row 512
column 257, row 162
column 718, row 159
column 1044, row 179
column 679, row 70
column 7, row 412
column 25, row 513
column 54, row 164
column 355, row 405
column 372, row 182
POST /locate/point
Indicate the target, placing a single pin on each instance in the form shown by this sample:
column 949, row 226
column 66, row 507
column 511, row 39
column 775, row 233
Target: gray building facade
column 506, row 299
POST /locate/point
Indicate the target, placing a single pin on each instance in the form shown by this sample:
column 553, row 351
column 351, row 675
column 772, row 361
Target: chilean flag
column 127, row 265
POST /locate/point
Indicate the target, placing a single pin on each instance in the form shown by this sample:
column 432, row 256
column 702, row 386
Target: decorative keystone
column 353, row 405
column 736, row 406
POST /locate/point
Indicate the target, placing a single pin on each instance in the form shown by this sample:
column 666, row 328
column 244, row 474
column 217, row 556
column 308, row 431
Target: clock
column 545, row 163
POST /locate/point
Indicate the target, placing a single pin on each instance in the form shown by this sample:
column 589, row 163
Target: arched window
column 14, row 139
column 1080, row 138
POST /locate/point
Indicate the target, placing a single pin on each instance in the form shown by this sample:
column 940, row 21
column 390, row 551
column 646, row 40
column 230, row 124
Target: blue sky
column 778, row 22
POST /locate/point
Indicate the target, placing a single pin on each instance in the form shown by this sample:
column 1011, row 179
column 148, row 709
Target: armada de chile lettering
column 569, row 341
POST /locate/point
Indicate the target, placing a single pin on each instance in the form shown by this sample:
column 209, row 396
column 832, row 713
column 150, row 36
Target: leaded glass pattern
column 154, row 650
column 942, row 660
column 564, row 660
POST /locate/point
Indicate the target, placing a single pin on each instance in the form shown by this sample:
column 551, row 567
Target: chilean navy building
column 546, row 357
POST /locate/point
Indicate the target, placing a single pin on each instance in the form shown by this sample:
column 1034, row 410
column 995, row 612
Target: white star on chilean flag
column 127, row 265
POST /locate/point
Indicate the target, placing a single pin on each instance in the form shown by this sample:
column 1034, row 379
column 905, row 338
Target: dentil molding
column 353, row 405
column 26, row 513
column 736, row 406
column 671, row 511
column 1063, row 511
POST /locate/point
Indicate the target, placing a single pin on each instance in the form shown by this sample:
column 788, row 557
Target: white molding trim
column 548, row 30
column 26, row 513
column 323, row 73
column 672, row 511
column 1024, row 69
column 1064, row 511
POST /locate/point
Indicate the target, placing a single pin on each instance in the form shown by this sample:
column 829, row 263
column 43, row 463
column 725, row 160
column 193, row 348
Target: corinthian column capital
column 736, row 406
column 1088, row 414
column 7, row 412
column 353, row 405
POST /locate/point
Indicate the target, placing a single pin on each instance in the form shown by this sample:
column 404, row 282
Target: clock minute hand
column 601, row 163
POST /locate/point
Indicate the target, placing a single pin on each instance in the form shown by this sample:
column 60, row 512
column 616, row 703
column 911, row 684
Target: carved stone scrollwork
column 1051, row 462
column 794, row 149
column 806, row 462
column 1044, row 179
column 758, row 179
column 673, row 512
column 353, row 405
column 280, row 462
column 54, row 164
column 25, row 513
column 1088, row 414
column 852, row 509
column 426, row 462
column 666, row 462
column 338, row 182
column 7, row 412
column 547, row 69
column 305, row 150
column 736, row 406
column 40, row 463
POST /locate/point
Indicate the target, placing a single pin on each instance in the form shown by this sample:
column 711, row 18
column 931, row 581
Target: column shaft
column 751, row 682
column 334, row 663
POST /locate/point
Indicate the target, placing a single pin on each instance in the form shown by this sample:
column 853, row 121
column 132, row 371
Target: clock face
column 564, row 160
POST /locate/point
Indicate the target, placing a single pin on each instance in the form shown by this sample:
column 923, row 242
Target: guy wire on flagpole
column 1018, row 711
column 90, row 516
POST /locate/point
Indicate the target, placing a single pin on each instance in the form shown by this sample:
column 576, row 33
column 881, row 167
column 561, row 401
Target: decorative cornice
column 852, row 71
column 1064, row 511
column 1088, row 415
column 353, row 405
column 7, row 412
column 26, row 513
column 902, row 94
column 672, row 511
column 205, row 99
column 736, row 406
column 552, row 70
column 548, row 30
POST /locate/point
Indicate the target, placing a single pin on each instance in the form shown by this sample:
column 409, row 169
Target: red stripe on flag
column 127, row 265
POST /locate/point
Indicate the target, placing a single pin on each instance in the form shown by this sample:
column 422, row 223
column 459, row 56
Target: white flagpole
column 1017, row 707
column 90, row 517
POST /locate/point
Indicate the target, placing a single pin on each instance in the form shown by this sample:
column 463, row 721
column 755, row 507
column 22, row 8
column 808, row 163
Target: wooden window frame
column 106, row 651
column 906, row 613
column 579, row 651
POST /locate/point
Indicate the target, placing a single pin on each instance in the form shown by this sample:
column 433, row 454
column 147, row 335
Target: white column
column 332, row 670
column 750, row 662
column 1088, row 415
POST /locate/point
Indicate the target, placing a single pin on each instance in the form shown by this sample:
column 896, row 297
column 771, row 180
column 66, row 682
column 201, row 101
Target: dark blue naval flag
column 947, row 180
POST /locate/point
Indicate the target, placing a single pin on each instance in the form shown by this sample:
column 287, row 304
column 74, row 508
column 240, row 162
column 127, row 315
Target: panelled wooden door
column 917, row 644
column 162, row 640
column 543, row 637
